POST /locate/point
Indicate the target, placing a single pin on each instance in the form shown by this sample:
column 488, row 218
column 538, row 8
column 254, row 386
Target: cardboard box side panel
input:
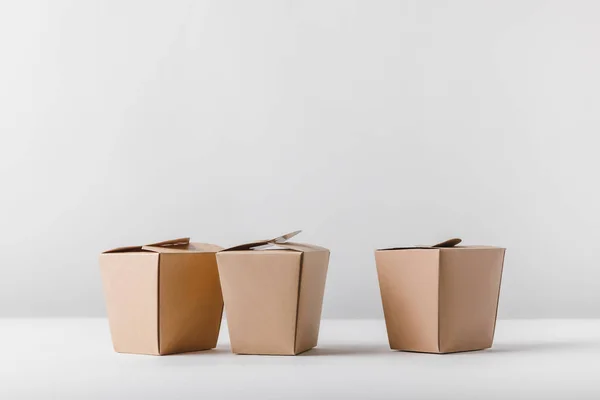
column 260, row 290
column 469, row 289
column 499, row 291
column 130, row 282
column 408, row 281
column 191, row 303
column 310, row 303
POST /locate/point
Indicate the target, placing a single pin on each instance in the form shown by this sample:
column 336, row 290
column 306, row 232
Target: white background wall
column 365, row 123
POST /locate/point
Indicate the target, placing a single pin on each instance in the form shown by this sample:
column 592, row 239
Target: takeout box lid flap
column 170, row 246
column 280, row 242
column 446, row 244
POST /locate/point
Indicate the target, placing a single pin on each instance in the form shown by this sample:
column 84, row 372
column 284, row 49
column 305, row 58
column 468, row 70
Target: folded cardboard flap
column 130, row 249
column 184, row 247
column 259, row 243
column 126, row 249
column 446, row 244
column 204, row 247
column 172, row 242
column 291, row 246
column 169, row 246
column 278, row 243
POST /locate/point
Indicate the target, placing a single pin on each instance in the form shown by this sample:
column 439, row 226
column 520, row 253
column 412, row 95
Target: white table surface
column 73, row 359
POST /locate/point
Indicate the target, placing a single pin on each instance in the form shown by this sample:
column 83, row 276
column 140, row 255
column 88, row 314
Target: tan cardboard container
column 273, row 292
column 442, row 298
column 162, row 298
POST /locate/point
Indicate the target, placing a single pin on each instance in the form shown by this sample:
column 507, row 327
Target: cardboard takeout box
column 162, row 298
column 442, row 298
column 273, row 292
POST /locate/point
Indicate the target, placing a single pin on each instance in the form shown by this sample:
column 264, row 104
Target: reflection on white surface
column 73, row 359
